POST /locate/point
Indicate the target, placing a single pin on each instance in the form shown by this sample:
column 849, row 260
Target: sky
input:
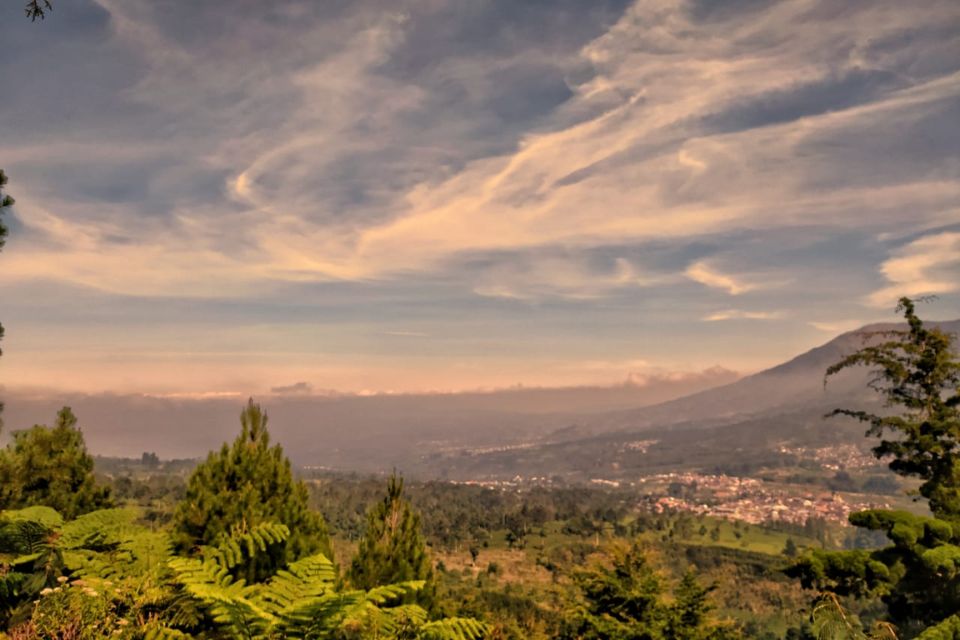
column 394, row 195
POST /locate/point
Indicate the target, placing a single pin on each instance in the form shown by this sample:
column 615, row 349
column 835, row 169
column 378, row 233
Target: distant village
column 722, row 496
column 754, row 501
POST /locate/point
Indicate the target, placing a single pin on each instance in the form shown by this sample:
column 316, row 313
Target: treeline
column 458, row 514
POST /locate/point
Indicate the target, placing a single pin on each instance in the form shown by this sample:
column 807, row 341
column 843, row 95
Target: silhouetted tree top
column 38, row 9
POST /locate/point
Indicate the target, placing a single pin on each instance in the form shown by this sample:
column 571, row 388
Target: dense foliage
column 104, row 575
column 625, row 601
column 50, row 466
column 243, row 485
column 917, row 577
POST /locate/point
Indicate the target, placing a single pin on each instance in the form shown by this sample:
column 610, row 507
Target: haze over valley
column 699, row 421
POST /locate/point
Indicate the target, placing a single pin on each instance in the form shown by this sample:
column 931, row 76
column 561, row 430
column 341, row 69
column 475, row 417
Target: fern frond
column 240, row 545
column 394, row 592
column 21, row 537
column 832, row 622
column 46, row 516
column 230, row 602
column 304, row 580
column 162, row 633
column 409, row 613
column 320, row 616
column 98, row 530
column 453, row 629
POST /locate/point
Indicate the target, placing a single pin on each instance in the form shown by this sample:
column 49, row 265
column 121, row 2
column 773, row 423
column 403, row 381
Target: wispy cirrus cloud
column 706, row 275
column 837, row 326
column 539, row 275
column 421, row 165
column 927, row 266
column 338, row 168
column 739, row 314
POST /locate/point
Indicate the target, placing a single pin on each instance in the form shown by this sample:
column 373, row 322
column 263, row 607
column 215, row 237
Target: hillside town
column 749, row 499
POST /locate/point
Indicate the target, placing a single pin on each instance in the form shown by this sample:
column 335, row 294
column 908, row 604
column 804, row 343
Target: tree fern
column 301, row 601
column 30, row 558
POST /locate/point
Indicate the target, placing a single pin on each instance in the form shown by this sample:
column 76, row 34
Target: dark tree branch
column 38, row 9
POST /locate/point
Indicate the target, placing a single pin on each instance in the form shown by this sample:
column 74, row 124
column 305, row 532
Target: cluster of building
column 835, row 458
column 752, row 501
column 516, row 482
column 719, row 485
column 639, row 446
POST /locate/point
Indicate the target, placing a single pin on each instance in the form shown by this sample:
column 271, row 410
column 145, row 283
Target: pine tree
column 916, row 372
column 50, row 466
column 245, row 484
column 392, row 549
column 917, row 576
column 688, row 614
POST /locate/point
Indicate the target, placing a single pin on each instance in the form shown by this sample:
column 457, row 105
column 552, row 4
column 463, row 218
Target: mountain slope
column 794, row 384
column 739, row 427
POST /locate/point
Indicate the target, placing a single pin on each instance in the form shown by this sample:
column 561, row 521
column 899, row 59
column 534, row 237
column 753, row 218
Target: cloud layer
column 415, row 166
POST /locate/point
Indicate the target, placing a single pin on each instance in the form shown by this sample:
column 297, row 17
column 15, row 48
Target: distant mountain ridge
column 731, row 428
column 792, row 384
column 502, row 433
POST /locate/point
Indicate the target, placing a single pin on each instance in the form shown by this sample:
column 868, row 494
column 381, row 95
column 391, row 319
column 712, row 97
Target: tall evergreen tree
column 245, row 484
column 917, row 373
column 50, row 466
column 688, row 614
column 392, row 549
